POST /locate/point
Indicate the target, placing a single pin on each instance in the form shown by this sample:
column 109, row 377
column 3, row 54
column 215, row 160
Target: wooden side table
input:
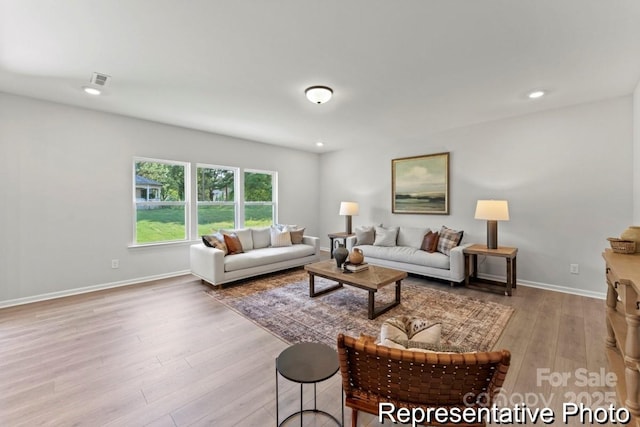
column 340, row 235
column 471, row 279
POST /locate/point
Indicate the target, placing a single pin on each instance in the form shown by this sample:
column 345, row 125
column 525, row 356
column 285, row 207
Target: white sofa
column 211, row 264
column 406, row 255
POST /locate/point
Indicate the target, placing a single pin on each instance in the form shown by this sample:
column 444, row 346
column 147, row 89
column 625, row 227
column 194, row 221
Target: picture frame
column 420, row 184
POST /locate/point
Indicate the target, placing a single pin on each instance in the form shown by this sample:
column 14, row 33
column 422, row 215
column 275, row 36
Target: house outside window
column 161, row 199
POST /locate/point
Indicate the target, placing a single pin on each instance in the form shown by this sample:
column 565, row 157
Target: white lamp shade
column 349, row 208
column 318, row 94
column 492, row 210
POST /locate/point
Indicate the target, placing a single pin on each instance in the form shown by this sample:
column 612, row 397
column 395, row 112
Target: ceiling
column 400, row 69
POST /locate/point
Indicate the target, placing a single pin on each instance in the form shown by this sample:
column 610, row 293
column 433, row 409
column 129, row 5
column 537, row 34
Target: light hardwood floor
column 166, row 354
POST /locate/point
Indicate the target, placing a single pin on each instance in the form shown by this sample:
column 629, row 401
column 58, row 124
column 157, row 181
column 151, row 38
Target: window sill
column 163, row 244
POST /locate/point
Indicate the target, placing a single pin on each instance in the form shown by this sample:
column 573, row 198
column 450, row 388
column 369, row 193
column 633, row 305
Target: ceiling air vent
column 100, row 79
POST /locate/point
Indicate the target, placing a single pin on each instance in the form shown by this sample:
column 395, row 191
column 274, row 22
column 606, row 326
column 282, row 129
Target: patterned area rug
column 280, row 303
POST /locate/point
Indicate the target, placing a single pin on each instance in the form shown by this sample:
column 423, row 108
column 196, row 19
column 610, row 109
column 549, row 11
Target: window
column 161, row 201
column 259, row 198
column 216, row 198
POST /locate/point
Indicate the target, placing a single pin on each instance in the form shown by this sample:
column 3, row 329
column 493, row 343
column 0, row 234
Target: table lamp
column 492, row 211
column 348, row 209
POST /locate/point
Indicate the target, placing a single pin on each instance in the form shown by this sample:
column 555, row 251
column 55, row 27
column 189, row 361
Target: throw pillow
column 365, row 235
column 233, row 243
column 431, row 347
column 430, row 242
column 410, row 328
column 411, row 236
column 449, row 239
column 216, row 241
column 296, row 236
column 245, row 236
column 280, row 238
column 386, row 236
column 261, row 237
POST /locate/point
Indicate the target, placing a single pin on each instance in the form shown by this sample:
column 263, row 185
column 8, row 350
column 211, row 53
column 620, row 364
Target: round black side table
column 307, row 363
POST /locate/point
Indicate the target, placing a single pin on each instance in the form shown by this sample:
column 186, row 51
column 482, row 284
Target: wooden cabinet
column 623, row 321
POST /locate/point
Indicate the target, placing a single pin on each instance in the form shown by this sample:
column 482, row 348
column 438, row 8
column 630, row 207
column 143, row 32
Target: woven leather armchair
column 373, row 374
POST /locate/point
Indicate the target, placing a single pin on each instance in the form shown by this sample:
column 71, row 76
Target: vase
column 356, row 256
column 340, row 254
column 632, row 233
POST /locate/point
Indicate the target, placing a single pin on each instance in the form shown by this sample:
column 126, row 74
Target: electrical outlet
column 574, row 269
column 115, row 263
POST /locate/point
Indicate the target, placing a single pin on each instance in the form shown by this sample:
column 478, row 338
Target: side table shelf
column 623, row 327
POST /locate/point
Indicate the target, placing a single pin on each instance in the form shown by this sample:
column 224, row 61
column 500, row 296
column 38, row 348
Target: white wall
column 566, row 173
column 66, row 194
column 636, row 155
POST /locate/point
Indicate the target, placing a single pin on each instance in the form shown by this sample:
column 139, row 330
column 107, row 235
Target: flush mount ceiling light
column 536, row 94
column 319, row 144
column 318, row 94
column 91, row 90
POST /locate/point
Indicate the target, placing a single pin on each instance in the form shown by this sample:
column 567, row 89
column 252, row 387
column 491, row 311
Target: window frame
column 274, row 194
column 236, row 191
column 186, row 203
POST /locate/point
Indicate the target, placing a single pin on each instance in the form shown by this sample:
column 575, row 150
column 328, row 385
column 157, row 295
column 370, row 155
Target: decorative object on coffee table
column 340, row 254
column 348, row 209
column 492, row 211
column 356, row 256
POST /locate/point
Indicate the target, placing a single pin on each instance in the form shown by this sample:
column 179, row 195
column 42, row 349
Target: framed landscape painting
column 420, row 184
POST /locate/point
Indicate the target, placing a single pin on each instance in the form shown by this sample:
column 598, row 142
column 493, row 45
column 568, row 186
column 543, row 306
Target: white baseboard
column 87, row 289
column 138, row 280
column 548, row 287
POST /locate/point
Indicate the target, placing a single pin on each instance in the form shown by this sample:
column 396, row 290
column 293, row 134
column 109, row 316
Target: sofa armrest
column 207, row 263
column 312, row 241
column 350, row 242
column 456, row 262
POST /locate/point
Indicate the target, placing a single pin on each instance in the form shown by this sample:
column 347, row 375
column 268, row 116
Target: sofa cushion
column 215, row 241
column 386, row 236
column 234, row 245
column 406, row 254
column 261, row 237
column 296, row 234
column 411, row 236
column 245, row 235
column 410, row 328
column 259, row 257
column 449, row 239
column 430, row 242
column 365, row 235
column 280, row 237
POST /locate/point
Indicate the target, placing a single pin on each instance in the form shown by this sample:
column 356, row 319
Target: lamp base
column 492, row 234
column 348, row 223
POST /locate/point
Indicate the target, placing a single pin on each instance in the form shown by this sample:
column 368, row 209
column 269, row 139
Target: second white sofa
column 402, row 251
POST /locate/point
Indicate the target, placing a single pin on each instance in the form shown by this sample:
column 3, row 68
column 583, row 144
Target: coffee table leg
column 372, row 312
column 312, row 285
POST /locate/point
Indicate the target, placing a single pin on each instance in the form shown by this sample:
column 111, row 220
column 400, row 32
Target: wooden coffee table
column 370, row 280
